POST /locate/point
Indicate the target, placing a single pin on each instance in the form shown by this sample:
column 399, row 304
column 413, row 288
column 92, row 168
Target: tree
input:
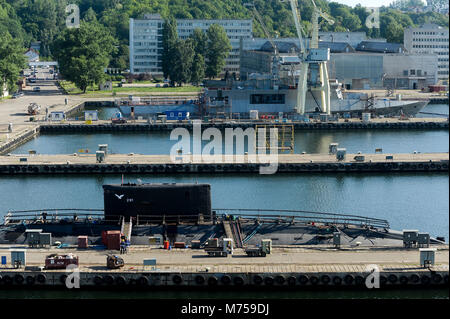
column 83, row 54
column 217, row 51
column 182, row 63
column 198, row 69
column 170, row 38
column 394, row 32
column 200, row 41
column 12, row 61
column 90, row 16
column 43, row 20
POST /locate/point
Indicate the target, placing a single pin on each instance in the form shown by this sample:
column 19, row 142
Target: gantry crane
column 313, row 62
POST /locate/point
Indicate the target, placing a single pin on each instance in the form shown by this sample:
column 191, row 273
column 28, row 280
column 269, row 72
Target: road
column 15, row 110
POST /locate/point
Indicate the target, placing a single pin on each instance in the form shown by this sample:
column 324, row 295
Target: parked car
column 17, row 95
column 36, row 89
column 166, row 85
column 158, row 85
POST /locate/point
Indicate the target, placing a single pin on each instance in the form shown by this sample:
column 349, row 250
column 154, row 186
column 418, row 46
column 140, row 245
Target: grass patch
column 71, row 89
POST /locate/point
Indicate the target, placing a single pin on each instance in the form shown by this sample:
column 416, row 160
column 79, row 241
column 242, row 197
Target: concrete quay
column 143, row 126
column 308, row 266
column 213, row 164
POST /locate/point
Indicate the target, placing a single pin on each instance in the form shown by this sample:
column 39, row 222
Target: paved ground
column 216, row 159
column 15, row 110
column 309, row 258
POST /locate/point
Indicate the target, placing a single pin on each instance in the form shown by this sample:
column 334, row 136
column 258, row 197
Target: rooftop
column 336, row 47
column 382, row 47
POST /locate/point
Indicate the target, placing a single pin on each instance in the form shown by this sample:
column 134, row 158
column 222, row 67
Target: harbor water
column 406, row 200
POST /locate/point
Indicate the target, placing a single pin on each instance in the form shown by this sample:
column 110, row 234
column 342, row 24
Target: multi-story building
column 146, row 41
column 370, row 65
column 430, row 39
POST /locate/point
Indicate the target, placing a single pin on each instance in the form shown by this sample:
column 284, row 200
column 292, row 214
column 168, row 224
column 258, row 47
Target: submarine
column 183, row 213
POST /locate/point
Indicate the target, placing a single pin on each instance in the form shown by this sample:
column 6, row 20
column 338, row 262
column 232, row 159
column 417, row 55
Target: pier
column 144, row 126
column 184, row 164
column 300, row 267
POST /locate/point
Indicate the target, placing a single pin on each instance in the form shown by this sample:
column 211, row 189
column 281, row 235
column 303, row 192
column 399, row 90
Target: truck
column 264, row 249
column 56, row 261
column 222, row 249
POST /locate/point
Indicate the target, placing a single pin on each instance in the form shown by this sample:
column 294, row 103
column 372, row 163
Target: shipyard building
column 146, row 44
column 371, row 64
column 430, row 39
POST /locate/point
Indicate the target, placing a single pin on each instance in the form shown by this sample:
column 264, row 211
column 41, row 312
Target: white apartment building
column 146, row 41
column 430, row 39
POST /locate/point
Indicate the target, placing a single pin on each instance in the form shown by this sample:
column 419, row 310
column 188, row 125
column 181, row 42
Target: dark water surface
column 406, row 200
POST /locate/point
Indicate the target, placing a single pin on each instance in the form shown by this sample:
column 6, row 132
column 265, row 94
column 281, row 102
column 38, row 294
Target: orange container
column 166, row 244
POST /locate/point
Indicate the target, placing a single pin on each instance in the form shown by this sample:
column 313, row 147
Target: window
column 267, row 99
column 412, row 72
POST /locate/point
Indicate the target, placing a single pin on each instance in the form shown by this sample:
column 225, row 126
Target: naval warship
column 183, row 213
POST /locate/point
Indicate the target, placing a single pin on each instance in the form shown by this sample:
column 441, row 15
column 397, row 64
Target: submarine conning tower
column 156, row 203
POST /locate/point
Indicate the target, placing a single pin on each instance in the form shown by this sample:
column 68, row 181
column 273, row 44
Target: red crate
column 82, row 241
column 104, row 237
column 113, row 240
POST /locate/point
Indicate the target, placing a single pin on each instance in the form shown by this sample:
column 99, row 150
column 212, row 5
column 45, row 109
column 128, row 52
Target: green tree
column 43, row 20
column 12, row 61
column 170, row 38
column 217, row 51
column 198, row 69
column 394, row 32
column 200, row 41
column 90, row 16
column 182, row 63
column 10, row 23
column 83, row 54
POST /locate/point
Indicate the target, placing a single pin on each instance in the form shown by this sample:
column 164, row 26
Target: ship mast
column 276, row 59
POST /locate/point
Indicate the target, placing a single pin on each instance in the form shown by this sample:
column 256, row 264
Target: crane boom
column 298, row 26
column 266, row 32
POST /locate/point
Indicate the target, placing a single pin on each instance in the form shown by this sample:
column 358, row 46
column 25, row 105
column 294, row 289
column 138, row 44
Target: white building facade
column 146, row 44
column 430, row 39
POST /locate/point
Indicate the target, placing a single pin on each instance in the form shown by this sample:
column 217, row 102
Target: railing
column 263, row 215
column 304, row 216
column 53, row 214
